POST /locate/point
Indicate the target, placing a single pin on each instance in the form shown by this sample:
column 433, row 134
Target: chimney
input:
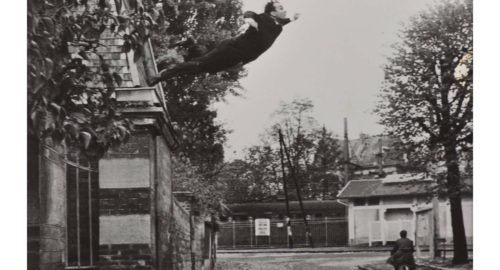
column 346, row 152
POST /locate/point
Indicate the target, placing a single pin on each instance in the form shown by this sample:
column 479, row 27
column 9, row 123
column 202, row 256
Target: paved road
column 299, row 261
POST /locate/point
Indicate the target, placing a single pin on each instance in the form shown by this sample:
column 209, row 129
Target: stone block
column 125, row 229
column 124, row 173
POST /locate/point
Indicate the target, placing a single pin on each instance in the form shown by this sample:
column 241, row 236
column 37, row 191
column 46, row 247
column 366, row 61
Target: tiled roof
column 110, row 48
column 381, row 187
column 133, row 73
column 377, row 188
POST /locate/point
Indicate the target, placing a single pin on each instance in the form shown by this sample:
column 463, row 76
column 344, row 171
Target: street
column 298, row 261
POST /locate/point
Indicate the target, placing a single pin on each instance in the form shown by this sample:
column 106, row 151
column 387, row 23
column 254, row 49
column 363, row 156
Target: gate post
column 251, row 233
column 234, row 235
column 326, row 231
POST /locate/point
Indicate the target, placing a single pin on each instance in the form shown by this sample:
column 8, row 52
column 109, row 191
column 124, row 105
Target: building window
column 82, row 214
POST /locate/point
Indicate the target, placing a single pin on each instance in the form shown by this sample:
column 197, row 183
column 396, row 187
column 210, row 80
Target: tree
column 314, row 152
column 327, row 159
column 297, row 124
column 64, row 102
column 426, row 99
column 189, row 98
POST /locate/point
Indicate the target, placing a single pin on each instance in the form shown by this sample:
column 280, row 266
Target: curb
column 365, row 267
column 297, row 251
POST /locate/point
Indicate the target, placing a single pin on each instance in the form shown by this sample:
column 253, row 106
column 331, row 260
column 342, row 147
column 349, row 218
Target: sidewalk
column 307, row 250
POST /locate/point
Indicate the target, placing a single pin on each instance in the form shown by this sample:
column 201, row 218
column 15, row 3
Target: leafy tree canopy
column 64, row 102
column 199, row 26
column 427, row 99
column 314, row 151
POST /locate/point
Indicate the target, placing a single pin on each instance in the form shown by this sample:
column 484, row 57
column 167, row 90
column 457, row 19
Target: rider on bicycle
column 402, row 252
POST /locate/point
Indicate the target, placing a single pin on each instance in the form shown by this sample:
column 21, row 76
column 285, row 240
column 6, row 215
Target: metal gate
column 82, row 233
column 325, row 232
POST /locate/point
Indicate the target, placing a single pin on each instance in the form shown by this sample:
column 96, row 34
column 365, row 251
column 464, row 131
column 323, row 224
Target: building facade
column 118, row 212
column 378, row 209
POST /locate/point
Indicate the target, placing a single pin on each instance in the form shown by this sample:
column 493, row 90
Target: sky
column 333, row 55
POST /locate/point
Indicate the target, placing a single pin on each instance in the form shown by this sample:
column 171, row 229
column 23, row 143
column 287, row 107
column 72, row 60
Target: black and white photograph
column 248, row 135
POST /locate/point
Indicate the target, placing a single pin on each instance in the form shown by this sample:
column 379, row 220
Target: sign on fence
column 262, row 227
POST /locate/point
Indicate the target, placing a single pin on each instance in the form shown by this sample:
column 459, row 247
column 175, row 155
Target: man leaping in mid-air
column 263, row 30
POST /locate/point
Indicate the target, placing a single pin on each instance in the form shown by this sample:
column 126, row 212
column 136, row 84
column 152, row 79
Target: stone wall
column 52, row 211
column 125, row 256
column 125, row 194
column 164, row 202
column 181, row 238
column 33, row 205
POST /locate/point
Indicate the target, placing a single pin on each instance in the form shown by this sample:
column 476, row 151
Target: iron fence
column 325, row 232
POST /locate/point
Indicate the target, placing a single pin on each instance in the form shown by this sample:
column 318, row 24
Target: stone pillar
column 383, row 225
column 351, row 224
column 33, row 202
column 52, row 214
column 126, row 229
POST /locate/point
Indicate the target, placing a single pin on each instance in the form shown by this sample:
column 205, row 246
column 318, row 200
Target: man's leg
column 192, row 67
column 218, row 59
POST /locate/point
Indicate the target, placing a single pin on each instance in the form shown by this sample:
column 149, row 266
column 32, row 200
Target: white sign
column 279, row 224
column 262, row 227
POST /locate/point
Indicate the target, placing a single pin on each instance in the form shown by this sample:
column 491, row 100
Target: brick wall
column 181, row 239
column 124, row 201
column 125, row 256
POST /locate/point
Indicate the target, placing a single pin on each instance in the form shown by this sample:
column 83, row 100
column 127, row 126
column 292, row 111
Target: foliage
column 427, row 99
column 190, row 98
column 63, row 101
column 206, row 190
column 314, row 152
column 423, row 102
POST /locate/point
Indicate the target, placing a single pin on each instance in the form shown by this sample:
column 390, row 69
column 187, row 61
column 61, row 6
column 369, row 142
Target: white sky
column 332, row 55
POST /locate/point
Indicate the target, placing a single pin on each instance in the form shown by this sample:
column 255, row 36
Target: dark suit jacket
column 402, row 252
column 253, row 43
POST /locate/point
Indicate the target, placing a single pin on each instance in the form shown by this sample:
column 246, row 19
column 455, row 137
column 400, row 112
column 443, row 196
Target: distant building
column 372, row 156
column 379, row 208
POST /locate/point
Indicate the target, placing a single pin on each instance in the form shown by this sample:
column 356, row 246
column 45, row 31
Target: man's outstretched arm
column 288, row 20
column 250, row 18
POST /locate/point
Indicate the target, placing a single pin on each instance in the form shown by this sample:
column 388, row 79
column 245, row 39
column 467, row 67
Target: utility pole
column 292, row 171
column 346, row 153
column 380, row 158
column 324, row 164
column 288, row 222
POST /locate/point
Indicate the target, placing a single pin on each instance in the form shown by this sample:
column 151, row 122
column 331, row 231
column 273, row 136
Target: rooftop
column 392, row 185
